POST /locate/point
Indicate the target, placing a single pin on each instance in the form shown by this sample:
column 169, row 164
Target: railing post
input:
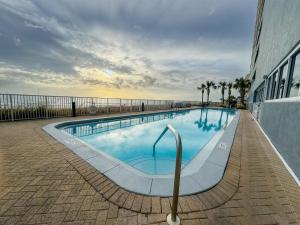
column 131, row 105
column 120, row 105
column 11, row 108
column 46, row 100
column 140, row 105
column 143, row 106
column 107, row 109
column 73, row 108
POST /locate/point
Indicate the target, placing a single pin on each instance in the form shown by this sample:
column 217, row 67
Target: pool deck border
column 201, row 174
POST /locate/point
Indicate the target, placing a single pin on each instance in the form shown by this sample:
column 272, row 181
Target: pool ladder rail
column 172, row 218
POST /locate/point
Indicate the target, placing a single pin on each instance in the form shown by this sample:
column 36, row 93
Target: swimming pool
column 121, row 147
column 131, row 140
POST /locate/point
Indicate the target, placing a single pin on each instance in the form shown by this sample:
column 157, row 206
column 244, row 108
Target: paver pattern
column 42, row 182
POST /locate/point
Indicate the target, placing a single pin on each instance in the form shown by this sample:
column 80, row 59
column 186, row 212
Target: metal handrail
column 172, row 218
column 160, row 136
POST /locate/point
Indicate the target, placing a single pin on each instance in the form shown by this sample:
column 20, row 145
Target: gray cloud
column 148, row 44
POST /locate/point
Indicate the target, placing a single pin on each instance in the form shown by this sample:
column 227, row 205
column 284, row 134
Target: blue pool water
column 131, row 140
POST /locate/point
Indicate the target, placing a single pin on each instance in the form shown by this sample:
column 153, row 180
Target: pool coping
column 194, row 178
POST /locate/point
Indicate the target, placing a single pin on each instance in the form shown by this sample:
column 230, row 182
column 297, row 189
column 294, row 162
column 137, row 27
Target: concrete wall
column 280, row 33
column 280, row 119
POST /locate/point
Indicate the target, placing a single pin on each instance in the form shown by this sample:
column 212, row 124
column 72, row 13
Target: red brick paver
column 42, row 182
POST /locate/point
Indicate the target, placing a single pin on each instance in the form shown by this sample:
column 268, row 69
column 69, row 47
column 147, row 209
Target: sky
column 158, row 49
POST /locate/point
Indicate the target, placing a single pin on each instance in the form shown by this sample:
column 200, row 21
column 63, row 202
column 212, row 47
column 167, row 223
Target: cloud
column 28, row 24
column 17, row 41
column 155, row 46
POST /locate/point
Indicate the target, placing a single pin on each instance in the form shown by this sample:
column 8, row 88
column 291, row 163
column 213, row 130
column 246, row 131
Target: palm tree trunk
column 202, row 98
column 207, row 96
column 242, row 98
column 223, row 98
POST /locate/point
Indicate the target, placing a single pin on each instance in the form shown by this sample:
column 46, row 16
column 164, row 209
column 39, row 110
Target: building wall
column 279, row 38
column 281, row 122
column 280, row 33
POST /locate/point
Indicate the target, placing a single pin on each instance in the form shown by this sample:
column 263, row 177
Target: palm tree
column 229, row 86
column 222, row 85
column 209, row 84
column 202, row 89
column 242, row 85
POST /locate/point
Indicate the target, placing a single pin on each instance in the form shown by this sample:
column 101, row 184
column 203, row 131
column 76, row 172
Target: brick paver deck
column 42, row 182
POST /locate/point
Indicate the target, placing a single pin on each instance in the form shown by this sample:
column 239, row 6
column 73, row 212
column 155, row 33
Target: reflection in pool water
column 131, row 140
column 206, row 125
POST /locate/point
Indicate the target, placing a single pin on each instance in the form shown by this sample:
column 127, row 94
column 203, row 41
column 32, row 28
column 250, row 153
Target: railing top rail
column 70, row 96
column 90, row 97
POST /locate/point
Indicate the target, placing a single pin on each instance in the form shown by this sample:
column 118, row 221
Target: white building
column 275, row 75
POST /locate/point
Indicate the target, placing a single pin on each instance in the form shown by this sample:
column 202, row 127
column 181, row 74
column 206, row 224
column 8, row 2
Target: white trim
column 278, row 154
column 289, row 99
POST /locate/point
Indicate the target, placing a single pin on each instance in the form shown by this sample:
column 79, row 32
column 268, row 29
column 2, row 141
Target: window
column 255, row 96
column 274, row 84
column 285, row 80
column 269, row 87
column 294, row 84
column 259, row 93
column 282, row 80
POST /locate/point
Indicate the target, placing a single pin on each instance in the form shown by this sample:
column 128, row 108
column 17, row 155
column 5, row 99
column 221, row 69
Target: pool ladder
column 172, row 218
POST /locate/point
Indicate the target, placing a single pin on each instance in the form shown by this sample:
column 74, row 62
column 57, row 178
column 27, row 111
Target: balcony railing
column 24, row 107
